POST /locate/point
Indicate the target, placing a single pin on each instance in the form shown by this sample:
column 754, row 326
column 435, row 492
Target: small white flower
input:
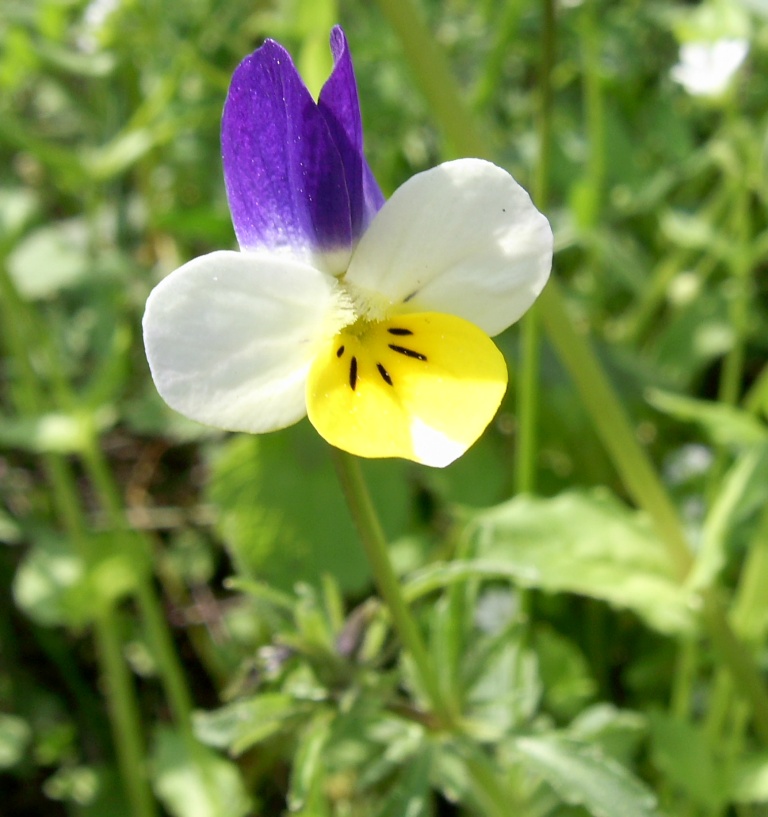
column 706, row 68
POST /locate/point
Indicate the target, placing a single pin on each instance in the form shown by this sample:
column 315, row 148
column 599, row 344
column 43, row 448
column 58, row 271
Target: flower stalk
column 387, row 582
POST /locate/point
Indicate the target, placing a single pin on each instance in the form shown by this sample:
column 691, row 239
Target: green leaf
column 74, row 784
column 749, row 782
column 742, row 491
column 699, row 333
column 681, row 751
column 616, row 732
column 54, row 432
column 54, row 585
column 723, row 424
column 17, row 206
column 307, row 775
column 506, row 688
column 49, row 585
column 10, row 530
column 50, row 258
column 409, row 795
column 564, row 673
column 586, row 543
column 282, row 513
column 15, row 735
column 192, row 781
column 582, row 776
column 238, row 726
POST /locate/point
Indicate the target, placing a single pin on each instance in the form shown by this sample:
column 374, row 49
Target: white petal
column 432, row 447
column 462, row 238
column 706, row 68
column 230, row 337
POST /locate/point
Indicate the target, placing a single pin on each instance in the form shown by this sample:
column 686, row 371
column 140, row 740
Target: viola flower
column 372, row 318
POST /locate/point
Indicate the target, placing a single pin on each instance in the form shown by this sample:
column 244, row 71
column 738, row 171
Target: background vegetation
column 187, row 620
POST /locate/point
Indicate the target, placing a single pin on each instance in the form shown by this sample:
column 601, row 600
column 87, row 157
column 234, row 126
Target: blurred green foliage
column 577, row 656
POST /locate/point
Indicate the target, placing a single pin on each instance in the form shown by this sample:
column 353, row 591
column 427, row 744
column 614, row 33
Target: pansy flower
column 373, row 318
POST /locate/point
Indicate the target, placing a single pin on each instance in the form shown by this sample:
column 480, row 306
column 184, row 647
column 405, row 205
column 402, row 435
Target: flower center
column 367, row 306
column 365, row 348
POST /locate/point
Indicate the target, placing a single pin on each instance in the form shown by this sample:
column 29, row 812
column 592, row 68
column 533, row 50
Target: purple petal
column 284, row 177
column 340, row 105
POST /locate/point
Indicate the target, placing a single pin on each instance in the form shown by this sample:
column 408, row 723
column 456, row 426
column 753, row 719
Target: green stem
column 757, row 396
column 157, row 631
column 432, row 72
column 528, row 388
column 683, row 680
column 589, row 38
column 122, row 705
column 614, row 428
column 124, row 715
column 388, row 583
column 743, row 669
column 505, row 21
column 158, row 635
column 740, row 268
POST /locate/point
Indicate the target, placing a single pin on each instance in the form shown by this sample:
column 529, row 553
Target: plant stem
column 157, row 630
column 388, row 583
column 614, row 428
column 432, row 72
column 528, row 387
column 736, row 655
column 124, row 714
column 594, row 180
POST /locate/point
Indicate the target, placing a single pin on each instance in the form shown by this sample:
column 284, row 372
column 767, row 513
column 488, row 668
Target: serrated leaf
column 582, row 776
column 196, row 783
column 586, row 543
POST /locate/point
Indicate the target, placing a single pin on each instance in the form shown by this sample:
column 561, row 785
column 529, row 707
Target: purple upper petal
column 284, row 176
column 294, row 170
column 340, row 105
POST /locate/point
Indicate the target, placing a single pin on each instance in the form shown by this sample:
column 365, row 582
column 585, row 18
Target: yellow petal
column 421, row 386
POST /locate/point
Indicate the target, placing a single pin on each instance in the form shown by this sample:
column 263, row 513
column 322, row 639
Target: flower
column 706, row 68
column 373, row 318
